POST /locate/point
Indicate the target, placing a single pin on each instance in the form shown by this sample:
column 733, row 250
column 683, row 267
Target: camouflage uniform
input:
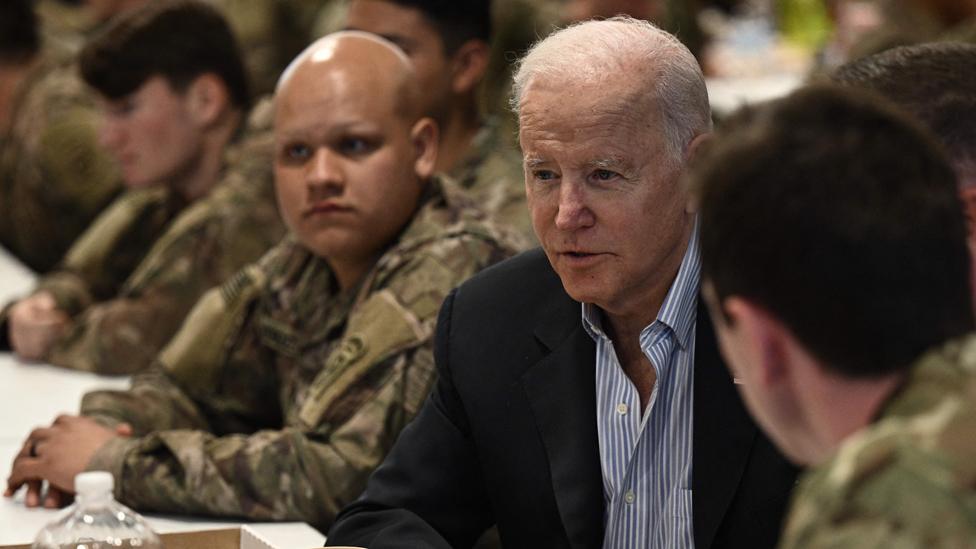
column 908, row 479
column 54, row 178
column 205, row 245
column 280, row 394
column 492, row 173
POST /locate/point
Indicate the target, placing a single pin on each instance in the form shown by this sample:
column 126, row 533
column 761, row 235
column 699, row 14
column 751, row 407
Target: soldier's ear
column 468, row 65
column 761, row 338
column 424, row 137
column 207, row 99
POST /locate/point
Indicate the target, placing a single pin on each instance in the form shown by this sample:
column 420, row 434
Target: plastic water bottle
column 96, row 520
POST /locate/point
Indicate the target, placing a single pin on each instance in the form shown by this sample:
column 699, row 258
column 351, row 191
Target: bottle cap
column 94, row 482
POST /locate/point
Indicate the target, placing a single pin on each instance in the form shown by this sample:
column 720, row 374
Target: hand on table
column 56, row 454
column 36, row 323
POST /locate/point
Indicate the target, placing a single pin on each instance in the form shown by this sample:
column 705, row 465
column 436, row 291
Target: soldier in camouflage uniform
column 836, row 270
column 54, row 177
column 171, row 114
column 907, row 480
column 449, row 44
column 204, row 245
column 287, row 385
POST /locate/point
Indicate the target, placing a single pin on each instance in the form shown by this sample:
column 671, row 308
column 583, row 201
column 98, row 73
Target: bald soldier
column 287, row 385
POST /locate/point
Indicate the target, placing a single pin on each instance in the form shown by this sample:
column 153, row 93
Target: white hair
column 602, row 50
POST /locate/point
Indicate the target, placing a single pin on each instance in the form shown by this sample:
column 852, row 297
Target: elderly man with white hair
column 581, row 401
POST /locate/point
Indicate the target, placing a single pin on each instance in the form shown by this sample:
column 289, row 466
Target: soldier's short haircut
column 178, row 40
column 839, row 215
column 456, row 21
column 19, row 36
column 934, row 82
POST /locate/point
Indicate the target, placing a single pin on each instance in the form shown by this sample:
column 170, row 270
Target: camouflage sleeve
column 370, row 387
column 880, row 501
column 206, row 245
column 99, row 262
column 186, row 387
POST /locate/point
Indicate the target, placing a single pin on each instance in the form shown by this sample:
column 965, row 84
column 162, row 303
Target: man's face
column 152, row 134
column 603, row 195
column 345, row 167
column 417, row 37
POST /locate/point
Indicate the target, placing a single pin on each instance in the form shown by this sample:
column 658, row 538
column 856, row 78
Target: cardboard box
column 242, row 537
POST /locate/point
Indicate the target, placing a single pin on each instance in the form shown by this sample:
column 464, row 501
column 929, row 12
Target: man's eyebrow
column 608, row 163
column 534, row 161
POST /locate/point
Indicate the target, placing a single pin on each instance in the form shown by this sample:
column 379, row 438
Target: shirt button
column 622, row 409
column 629, row 497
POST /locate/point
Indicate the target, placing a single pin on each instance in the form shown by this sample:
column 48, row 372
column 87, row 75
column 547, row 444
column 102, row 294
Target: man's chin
column 582, row 291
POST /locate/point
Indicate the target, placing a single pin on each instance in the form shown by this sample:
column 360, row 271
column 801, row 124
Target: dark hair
column 456, row 21
column 19, row 36
column 839, row 215
column 179, row 40
column 935, row 82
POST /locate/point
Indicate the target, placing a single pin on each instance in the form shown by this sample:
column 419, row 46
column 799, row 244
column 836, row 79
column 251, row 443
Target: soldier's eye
column 354, row 146
column 543, row 175
column 121, row 107
column 296, row 152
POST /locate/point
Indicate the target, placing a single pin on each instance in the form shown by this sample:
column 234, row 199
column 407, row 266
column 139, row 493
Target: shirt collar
column 679, row 309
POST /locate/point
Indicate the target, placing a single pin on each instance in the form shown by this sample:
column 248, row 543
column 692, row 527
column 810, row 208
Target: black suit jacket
column 509, row 434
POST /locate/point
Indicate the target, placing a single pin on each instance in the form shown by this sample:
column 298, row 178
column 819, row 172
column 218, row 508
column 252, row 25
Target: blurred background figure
column 449, row 46
column 906, row 22
column 173, row 95
column 54, row 177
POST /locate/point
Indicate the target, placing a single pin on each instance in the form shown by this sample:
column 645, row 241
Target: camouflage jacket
column 54, row 177
column 492, row 173
column 206, row 244
column 907, row 480
column 99, row 262
column 280, row 394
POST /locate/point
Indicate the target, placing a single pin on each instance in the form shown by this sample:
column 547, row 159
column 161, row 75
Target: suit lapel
column 562, row 395
column 723, row 435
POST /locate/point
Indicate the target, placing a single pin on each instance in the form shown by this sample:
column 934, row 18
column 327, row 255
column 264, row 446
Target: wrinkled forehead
column 590, row 114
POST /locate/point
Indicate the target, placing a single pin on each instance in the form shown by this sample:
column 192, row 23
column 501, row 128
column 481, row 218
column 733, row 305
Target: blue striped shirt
column 646, row 460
